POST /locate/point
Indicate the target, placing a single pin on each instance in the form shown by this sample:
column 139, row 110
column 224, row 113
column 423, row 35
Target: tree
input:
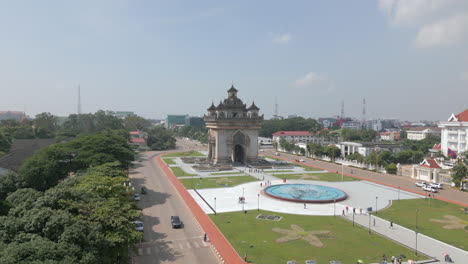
column 5, row 143
column 459, row 173
column 45, row 125
column 391, row 168
column 136, row 123
column 315, row 149
column 332, row 151
column 160, row 138
column 290, row 124
column 356, row 156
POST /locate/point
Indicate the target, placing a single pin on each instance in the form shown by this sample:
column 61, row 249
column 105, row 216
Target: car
column 139, row 226
column 429, row 189
column 301, row 160
column 420, row 184
column 277, row 154
column 143, row 190
column 136, row 197
column 175, row 221
column 437, row 185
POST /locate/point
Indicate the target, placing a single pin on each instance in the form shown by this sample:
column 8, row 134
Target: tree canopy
column 290, row 124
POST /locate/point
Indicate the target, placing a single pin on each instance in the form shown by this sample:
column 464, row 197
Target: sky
column 407, row 58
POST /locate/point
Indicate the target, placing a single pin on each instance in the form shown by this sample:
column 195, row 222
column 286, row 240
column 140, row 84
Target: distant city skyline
column 409, row 59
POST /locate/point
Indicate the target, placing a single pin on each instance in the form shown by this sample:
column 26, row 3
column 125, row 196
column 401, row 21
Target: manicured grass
column 179, row 172
column 403, row 212
column 345, row 242
column 216, row 182
column 307, row 168
column 327, row 176
column 227, row 173
column 169, row 161
column 190, row 153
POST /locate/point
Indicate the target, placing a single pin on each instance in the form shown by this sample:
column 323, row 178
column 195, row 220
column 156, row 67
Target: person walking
column 347, row 209
column 304, row 206
column 360, row 210
column 204, row 237
column 391, row 224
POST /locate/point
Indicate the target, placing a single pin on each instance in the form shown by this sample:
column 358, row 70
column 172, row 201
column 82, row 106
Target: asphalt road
column 162, row 243
column 401, row 181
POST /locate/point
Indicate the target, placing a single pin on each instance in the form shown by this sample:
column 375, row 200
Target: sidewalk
column 426, row 245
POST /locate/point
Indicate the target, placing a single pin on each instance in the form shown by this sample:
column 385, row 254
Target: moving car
column 420, row 184
column 429, row 189
column 437, row 185
column 175, row 220
column 136, row 197
column 143, row 190
column 138, row 226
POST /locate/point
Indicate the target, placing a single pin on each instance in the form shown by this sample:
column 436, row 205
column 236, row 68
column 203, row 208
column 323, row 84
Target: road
column 162, row 243
column 401, row 181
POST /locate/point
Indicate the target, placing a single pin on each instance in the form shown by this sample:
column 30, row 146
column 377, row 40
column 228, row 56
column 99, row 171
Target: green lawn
column 327, row 176
column 344, row 242
column 190, row 153
column 179, row 172
column 403, row 212
column 169, row 161
column 227, row 173
column 307, row 168
column 216, row 182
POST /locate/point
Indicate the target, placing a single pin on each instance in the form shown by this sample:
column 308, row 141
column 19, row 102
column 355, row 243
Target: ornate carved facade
column 233, row 130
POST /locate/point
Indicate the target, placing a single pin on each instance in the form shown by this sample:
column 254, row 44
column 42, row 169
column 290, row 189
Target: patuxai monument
column 233, row 131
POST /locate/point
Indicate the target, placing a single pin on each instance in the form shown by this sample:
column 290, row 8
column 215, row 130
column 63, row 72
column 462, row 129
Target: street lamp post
column 258, row 203
column 416, row 233
column 376, row 204
column 215, row 205
column 369, row 221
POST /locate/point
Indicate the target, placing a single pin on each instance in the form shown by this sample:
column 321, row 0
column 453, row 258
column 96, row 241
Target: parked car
column 143, row 190
column 420, row 184
column 136, row 197
column 138, row 226
column 437, row 185
column 175, row 220
column 301, row 160
column 429, row 189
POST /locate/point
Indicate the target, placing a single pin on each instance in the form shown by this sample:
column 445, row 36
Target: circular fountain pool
column 305, row 193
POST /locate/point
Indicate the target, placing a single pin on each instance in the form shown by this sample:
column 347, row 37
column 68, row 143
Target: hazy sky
column 408, row 58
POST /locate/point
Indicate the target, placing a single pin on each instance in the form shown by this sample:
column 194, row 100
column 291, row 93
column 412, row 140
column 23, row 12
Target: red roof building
column 454, row 136
column 292, row 133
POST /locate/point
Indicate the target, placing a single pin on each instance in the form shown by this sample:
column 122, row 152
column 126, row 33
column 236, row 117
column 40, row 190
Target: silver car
column 139, row 226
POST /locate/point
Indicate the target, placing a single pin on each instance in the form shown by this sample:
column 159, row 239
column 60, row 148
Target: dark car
column 175, row 220
column 143, row 190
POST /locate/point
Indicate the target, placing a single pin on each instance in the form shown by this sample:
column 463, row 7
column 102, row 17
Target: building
column 375, row 124
column 196, row 121
column 428, row 170
column 16, row 115
column 390, row 136
column 233, row 130
column 138, row 138
column 293, row 136
column 366, row 148
column 327, row 122
column 353, row 125
column 454, row 134
column 174, row 121
column 124, row 114
column 420, row 133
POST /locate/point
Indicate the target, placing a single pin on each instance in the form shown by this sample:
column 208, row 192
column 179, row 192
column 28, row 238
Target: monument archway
column 239, row 154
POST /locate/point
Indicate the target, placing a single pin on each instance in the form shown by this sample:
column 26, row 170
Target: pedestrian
column 360, row 210
column 347, row 209
column 343, row 213
column 374, row 221
column 391, row 224
column 304, row 206
column 261, row 185
column 204, row 237
column 354, row 210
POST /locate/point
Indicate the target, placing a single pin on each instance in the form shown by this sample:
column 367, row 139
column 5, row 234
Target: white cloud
column 437, row 22
column 309, row 79
column 464, row 76
column 282, row 38
column 443, row 32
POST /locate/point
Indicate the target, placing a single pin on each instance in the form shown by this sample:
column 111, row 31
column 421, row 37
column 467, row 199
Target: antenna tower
column 342, row 110
column 79, row 100
column 364, row 111
column 276, row 108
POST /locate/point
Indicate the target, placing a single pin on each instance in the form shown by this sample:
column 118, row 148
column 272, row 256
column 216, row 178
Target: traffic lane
column 394, row 180
column 163, row 243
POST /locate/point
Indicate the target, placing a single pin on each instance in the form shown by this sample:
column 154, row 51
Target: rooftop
column 292, row 133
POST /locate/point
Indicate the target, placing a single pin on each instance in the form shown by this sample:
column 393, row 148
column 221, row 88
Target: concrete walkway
column 426, row 245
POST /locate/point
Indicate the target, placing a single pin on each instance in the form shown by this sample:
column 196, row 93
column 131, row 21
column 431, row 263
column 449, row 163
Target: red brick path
column 217, row 239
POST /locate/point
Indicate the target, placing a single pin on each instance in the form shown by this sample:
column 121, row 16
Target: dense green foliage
column 459, row 172
column 5, row 143
column 364, row 135
column 290, row 124
column 391, row 168
column 160, row 138
column 422, row 145
column 332, row 151
column 45, row 125
column 52, row 164
column 69, row 204
column 194, row 132
column 132, row 123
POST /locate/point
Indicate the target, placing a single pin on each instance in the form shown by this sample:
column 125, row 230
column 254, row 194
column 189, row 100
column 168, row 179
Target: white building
column 420, row 133
column 387, row 136
column 293, row 136
column 454, row 134
column 428, row 170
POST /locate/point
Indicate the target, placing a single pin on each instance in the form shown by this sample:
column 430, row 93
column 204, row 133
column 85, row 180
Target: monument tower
column 233, row 130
